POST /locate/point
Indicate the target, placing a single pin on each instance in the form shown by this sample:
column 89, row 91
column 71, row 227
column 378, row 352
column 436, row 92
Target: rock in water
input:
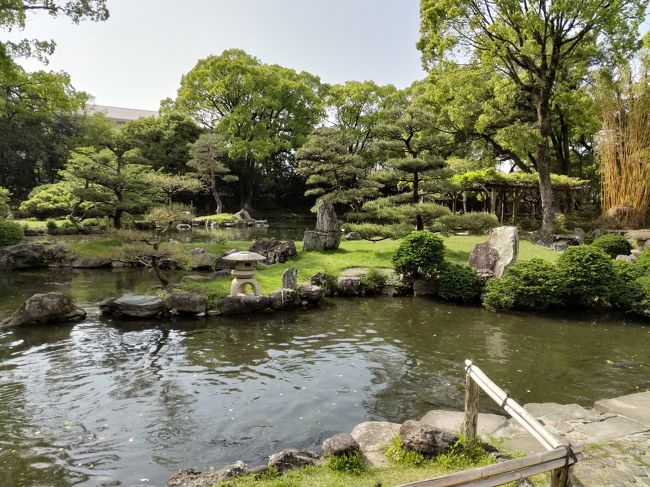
column 45, row 308
column 247, row 303
column 284, row 298
column 134, row 306
column 339, row 445
column 290, row 278
column 327, row 235
column 425, row 439
column 491, row 258
column 186, row 302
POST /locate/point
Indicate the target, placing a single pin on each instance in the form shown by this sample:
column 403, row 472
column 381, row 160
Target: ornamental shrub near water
column 587, row 275
column 613, row 245
column 458, row 283
column 421, row 254
column 533, row 284
column 626, row 291
column 11, row 233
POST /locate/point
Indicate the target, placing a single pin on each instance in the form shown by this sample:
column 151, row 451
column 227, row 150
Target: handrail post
column 562, row 477
column 470, row 424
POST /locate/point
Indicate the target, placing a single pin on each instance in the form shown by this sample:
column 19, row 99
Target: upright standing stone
column 491, row 258
column 290, row 278
column 327, row 235
column 506, row 242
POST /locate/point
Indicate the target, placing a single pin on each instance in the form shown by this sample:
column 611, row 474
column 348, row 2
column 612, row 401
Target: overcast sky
column 137, row 57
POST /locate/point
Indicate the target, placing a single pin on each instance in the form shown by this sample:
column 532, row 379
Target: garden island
column 275, row 280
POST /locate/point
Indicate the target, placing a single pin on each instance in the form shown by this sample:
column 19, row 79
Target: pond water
column 125, row 403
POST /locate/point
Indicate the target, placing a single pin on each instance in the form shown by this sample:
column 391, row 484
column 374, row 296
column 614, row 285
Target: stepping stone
column 452, row 421
column 633, row 406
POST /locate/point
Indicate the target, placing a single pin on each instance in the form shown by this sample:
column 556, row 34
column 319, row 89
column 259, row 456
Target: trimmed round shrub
column 626, row 292
column 642, row 305
column 643, row 261
column 613, row 245
column 533, row 284
column 421, row 254
column 10, row 233
column 587, row 274
column 458, row 283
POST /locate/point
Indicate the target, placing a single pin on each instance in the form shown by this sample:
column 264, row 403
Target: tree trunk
column 419, row 222
column 544, row 164
column 215, row 195
column 117, row 219
column 245, row 193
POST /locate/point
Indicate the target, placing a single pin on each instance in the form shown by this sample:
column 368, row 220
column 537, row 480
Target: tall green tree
column 209, row 156
column 534, row 43
column 334, row 171
column 113, row 179
column 173, row 184
column 264, row 111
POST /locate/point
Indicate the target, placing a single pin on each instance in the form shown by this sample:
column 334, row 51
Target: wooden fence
column 559, row 458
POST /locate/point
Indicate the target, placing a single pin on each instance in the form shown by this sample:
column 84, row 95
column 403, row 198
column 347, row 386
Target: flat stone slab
column 611, row 428
column 372, row 436
column 374, row 459
column 634, row 406
column 452, row 421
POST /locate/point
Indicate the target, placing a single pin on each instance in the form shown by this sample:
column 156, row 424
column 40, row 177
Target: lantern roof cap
column 244, row 256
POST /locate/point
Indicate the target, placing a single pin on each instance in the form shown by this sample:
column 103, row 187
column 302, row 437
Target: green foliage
column 420, row 254
column 642, row 305
column 51, row 227
column 643, row 261
column 586, row 273
column 170, row 213
column 626, row 291
column 333, row 172
column 613, row 245
column 10, row 232
column 533, row 284
column 5, row 196
column 458, row 283
column 375, row 232
column 463, row 455
column 350, row 463
column 396, row 453
column 49, row 201
column 474, row 222
column 374, row 281
column 491, row 175
column 220, row 218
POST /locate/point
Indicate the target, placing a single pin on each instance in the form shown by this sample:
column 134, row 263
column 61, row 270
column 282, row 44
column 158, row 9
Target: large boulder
column 186, row 302
column 425, row 439
column 24, row 256
column 311, row 293
column 90, row 263
column 373, row 436
column 134, row 306
column 349, row 286
column 243, row 304
column 290, row 278
column 291, row 459
column 274, row 250
column 339, row 445
column 284, row 298
column 327, row 235
column 45, row 308
column 493, row 257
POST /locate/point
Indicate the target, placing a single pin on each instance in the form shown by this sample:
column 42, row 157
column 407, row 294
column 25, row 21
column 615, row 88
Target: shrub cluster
column 473, row 222
column 584, row 275
column 421, row 255
column 613, row 245
column 10, row 233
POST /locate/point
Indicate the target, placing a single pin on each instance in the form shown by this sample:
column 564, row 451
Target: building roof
column 123, row 114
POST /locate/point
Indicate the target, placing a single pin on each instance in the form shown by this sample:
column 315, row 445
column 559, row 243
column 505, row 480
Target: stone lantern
column 244, row 271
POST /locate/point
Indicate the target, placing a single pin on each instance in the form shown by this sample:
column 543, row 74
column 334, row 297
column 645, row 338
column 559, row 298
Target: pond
column 124, row 403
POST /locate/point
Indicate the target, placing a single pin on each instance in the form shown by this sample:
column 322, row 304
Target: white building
column 119, row 116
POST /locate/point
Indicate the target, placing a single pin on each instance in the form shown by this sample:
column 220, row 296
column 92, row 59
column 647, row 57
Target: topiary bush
column 533, row 284
column 473, row 222
column 613, row 245
column 586, row 273
column 626, row 292
column 421, row 254
column 458, row 283
column 11, row 233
